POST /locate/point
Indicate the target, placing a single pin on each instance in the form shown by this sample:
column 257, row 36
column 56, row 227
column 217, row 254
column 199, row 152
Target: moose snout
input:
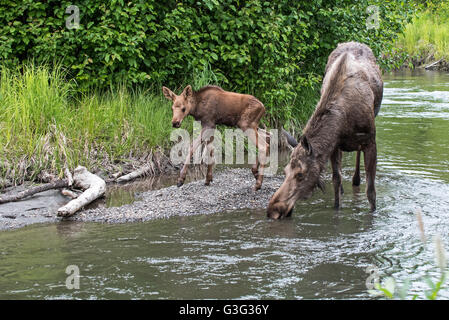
column 278, row 210
column 176, row 123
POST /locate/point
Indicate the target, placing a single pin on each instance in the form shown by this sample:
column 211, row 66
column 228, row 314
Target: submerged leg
column 370, row 156
column 356, row 177
column 336, row 176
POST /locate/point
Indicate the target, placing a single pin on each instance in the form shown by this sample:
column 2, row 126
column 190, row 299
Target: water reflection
column 318, row 253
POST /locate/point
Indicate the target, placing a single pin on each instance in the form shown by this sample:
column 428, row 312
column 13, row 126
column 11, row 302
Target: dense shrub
column 275, row 49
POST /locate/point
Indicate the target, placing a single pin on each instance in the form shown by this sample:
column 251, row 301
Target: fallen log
column 432, row 65
column 137, row 173
column 62, row 183
column 93, row 186
column 69, row 193
column 69, row 176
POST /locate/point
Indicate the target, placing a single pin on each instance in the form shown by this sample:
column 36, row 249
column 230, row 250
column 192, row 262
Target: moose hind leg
column 356, row 177
column 336, row 177
column 263, row 148
column 370, row 157
column 257, row 168
column 210, row 160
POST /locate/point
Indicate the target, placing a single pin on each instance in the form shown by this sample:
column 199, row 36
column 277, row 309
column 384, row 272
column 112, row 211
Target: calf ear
column 188, row 91
column 306, row 145
column 168, row 93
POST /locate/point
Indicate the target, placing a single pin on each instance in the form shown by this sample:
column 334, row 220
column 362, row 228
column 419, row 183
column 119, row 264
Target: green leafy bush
column 276, row 50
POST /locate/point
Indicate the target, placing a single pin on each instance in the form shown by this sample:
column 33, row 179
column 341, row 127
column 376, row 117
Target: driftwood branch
column 94, row 188
column 430, row 66
column 62, row 183
column 137, row 173
column 69, row 193
column 69, row 176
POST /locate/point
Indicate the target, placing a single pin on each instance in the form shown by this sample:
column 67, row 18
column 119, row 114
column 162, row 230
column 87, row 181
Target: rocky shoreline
column 230, row 190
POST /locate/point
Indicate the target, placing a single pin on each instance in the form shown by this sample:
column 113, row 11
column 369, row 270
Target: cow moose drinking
column 344, row 120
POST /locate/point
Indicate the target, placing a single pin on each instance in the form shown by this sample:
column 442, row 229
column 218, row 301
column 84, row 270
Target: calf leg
column 262, row 147
column 196, row 143
column 266, row 136
column 255, row 169
column 336, row 176
column 210, row 160
column 356, row 177
column 370, row 156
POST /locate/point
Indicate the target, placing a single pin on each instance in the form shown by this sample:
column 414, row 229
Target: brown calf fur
column 344, row 120
column 211, row 105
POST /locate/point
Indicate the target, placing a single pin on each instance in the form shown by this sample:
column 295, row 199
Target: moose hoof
column 180, row 183
column 257, row 187
column 356, row 181
column 207, row 183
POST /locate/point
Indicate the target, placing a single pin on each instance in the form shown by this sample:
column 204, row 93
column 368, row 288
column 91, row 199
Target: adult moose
column 211, row 105
column 344, row 120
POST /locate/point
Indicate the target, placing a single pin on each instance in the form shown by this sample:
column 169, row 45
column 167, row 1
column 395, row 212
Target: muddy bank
column 39, row 208
column 14, row 174
column 426, row 63
column 230, row 190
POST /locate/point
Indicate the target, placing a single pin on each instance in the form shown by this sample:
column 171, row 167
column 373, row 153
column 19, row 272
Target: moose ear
column 320, row 184
column 306, row 145
column 168, row 93
column 188, row 91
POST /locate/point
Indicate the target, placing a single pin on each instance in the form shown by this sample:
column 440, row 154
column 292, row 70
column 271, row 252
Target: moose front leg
column 370, row 157
column 196, row 143
column 336, row 176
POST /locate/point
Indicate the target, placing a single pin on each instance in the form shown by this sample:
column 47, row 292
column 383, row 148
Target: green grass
column 46, row 124
column 427, row 35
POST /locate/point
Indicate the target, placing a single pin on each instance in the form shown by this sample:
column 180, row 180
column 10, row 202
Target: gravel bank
column 230, row 190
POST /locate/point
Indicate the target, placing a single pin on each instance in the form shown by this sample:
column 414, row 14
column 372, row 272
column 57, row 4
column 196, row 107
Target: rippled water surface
column 318, row 253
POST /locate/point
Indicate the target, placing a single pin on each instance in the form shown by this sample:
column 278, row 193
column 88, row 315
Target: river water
column 317, row 254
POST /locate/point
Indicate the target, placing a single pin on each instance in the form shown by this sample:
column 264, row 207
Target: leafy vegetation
column 276, row 50
column 81, row 95
column 425, row 37
column 43, row 127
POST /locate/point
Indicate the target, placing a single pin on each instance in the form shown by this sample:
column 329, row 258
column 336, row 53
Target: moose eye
column 298, row 175
column 183, row 109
